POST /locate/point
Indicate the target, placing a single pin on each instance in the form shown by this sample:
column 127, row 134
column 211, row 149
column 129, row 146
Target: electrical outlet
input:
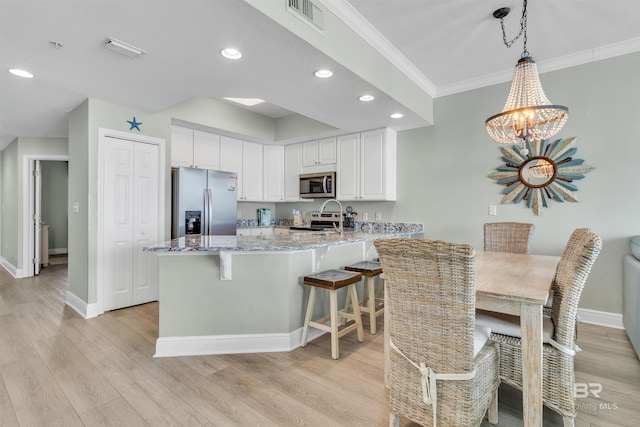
column 493, row 210
column 76, row 207
column 239, row 214
column 378, row 216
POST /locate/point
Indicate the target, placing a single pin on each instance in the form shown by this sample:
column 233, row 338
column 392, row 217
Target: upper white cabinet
column 244, row 158
column 194, row 148
column 320, row 152
column 273, row 173
column 292, row 171
column 365, row 163
column 366, row 166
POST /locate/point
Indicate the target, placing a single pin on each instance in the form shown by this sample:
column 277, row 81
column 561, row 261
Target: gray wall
column 443, row 169
column 55, row 190
column 12, row 194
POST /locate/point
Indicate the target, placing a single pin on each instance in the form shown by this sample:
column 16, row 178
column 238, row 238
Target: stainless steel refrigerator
column 203, row 202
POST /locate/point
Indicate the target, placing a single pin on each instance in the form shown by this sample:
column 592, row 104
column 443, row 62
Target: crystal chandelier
column 543, row 169
column 528, row 113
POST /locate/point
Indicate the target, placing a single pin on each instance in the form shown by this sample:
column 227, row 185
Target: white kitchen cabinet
column 261, row 231
column 244, row 158
column 243, row 232
column 366, row 166
column 251, row 171
column 194, row 148
column 319, row 152
column 292, row 171
column 273, row 173
column 348, row 167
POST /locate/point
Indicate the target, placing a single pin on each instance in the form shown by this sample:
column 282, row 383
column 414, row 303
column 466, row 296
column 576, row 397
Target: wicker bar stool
column 370, row 299
column 333, row 280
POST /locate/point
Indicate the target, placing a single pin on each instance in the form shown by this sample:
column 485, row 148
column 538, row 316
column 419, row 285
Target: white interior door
column 131, row 222
column 37, row 217
column 145, row 221
column 118, row 223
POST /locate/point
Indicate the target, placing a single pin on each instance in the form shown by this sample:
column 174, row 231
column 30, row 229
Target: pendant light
column 528, row 113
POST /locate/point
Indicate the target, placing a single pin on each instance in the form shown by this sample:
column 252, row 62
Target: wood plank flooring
column 58, row 369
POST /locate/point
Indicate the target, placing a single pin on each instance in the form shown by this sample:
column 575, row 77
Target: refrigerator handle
column 210, row 211
column 205, row 222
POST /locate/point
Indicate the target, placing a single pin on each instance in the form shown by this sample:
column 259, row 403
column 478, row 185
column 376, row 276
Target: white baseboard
column 231, row 344
column 17, row 273
column 602, row 318
column 85, row 310
column 58, row 251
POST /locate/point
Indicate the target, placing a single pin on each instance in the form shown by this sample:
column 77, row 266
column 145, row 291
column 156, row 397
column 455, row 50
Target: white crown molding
column 351, row 17
column 579, row 58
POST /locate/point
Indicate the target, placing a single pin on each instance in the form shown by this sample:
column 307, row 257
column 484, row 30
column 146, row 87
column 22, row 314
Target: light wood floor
column 59, row 369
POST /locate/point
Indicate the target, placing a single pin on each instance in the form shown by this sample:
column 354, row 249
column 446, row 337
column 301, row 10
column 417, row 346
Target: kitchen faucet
column 339, row 204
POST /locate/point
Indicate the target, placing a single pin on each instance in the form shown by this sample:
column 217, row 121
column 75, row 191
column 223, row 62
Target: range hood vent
column 308, row 12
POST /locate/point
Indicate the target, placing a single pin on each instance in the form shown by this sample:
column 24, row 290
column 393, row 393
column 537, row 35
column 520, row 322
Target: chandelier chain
column 523, row 30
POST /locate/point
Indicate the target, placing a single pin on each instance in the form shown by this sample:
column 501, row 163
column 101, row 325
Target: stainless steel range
column 321, row 221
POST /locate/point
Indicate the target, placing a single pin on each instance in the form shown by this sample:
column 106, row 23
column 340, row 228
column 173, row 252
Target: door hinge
column 36, row 260
column 36, row 172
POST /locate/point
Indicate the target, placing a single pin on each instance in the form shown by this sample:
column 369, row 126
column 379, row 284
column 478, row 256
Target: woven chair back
column 511, row 237
column 571, row 275
column 431, row 300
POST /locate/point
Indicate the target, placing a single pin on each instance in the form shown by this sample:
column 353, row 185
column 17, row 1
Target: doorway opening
column 45, row 219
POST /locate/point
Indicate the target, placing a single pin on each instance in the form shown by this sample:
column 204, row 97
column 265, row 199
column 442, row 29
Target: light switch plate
column 493, row 210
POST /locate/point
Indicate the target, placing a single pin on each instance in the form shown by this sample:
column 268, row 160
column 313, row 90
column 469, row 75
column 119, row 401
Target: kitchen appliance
column 321, row 221
column 203, row 202
column 321, row 184
column 264, row 217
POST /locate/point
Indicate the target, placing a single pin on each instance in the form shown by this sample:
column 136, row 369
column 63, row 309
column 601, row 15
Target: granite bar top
column 291, row 242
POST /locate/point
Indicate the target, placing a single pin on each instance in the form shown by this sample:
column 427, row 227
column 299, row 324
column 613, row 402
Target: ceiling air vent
column 308, row 12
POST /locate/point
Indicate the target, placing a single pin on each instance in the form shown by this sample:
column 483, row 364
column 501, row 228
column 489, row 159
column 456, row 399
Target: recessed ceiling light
column 231, row 53
column 249, row 102
column 366, row 98
column 397, row 116
column 21, row 73
column 323, row 74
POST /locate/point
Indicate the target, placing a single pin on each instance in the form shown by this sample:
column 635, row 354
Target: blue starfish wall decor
column 134, row 124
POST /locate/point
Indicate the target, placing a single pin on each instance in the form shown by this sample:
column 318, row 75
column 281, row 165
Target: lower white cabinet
column 258, row 231
column 366, row 166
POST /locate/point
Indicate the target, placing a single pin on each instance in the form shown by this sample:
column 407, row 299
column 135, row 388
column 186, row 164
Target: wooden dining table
column 516, row 284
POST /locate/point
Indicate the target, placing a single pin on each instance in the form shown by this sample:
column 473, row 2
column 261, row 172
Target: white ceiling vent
column 308, row 12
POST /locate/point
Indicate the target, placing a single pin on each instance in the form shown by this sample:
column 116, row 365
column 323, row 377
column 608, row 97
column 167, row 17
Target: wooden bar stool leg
column 371, row 303
column 333, row 306
column 307, row 317
column 356, row 312
column 347, row 303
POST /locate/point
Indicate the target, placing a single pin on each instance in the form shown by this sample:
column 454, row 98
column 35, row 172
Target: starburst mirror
column 547, row 172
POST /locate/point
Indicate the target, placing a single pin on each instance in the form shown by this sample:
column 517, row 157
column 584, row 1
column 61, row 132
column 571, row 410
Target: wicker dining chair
column 431, row 309
column 511, row 237
column 559, row 348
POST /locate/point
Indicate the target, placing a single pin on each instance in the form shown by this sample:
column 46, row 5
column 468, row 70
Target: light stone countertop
column 294, row 241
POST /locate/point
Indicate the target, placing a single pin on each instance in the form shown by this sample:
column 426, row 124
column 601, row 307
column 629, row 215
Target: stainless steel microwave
column 321, row 184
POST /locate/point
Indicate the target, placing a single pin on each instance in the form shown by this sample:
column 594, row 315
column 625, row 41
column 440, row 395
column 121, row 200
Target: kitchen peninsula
column 237, row 294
